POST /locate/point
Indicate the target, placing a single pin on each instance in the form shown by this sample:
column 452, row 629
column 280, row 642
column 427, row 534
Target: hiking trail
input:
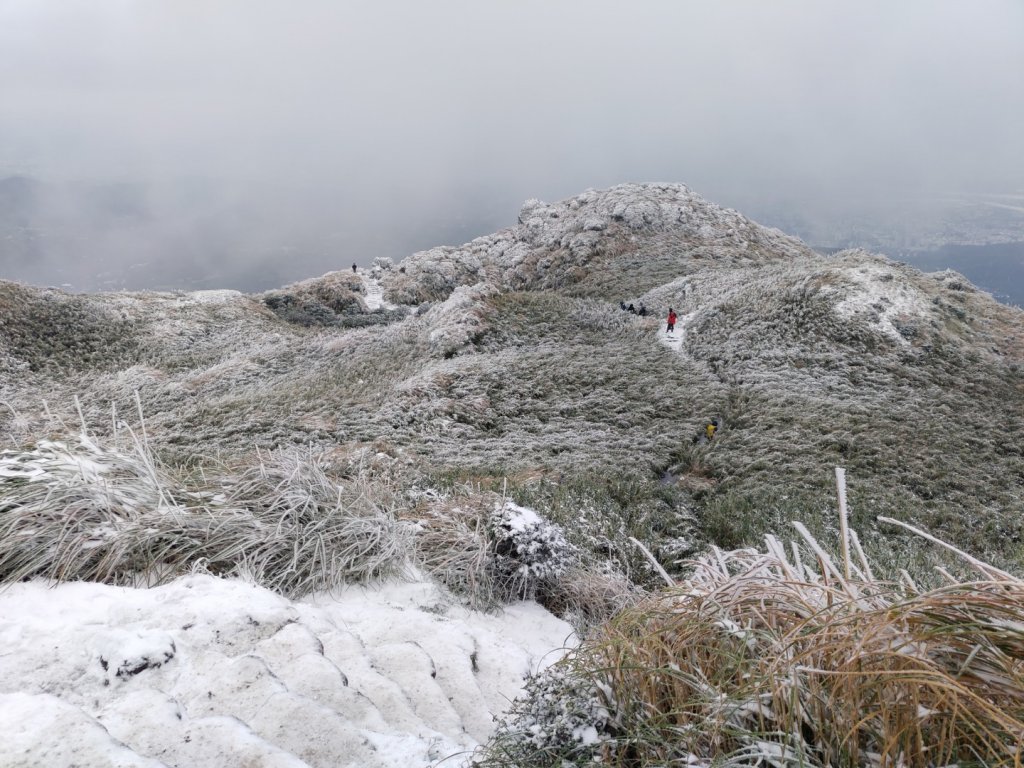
column 674, row 340
column 374, row 293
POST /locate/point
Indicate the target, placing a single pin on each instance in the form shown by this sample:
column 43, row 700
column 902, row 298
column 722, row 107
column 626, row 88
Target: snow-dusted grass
column 285, row 445
column 455, row 546
column 490, row 551
column 53, row 333
column 905, row 378
column 528, row 385
column 761, row 658
column 913, row 381
column 90, row 512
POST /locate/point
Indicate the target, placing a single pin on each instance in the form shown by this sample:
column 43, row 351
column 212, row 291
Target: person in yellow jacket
column 710, row 428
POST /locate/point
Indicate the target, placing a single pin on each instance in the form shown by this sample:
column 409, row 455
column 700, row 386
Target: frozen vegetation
column 422, row 477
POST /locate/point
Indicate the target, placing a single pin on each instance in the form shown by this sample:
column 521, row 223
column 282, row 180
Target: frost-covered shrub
column 307, row 313
column 319, row 301
column 459, row 319
column 455, row 547
column 52, row 332
column 602, row 513
column 529, row 550
column 489, row 550
column 561, row 719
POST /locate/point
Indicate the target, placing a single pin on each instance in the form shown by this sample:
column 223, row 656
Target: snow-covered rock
column 211, row 672
column 552, row 241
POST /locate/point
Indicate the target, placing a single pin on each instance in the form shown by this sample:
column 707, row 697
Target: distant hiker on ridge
column 671, row 321
column 622, row 306
column 353, row 269
column 631, row 309
column 642, row 311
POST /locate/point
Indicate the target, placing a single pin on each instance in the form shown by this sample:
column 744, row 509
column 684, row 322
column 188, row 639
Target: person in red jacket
column 671, row 321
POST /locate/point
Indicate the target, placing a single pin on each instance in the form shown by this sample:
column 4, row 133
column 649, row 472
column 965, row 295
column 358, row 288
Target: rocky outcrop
column 561, row 245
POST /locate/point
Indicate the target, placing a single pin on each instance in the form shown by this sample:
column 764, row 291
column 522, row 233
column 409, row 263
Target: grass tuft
column 759, row 659
column 113, row 514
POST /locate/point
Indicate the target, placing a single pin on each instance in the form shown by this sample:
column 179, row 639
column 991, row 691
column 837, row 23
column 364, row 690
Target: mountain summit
column 629, row 238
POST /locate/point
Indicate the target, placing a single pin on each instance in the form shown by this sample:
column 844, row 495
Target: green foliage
column 56, row 333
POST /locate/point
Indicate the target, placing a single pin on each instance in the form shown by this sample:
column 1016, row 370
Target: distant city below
column 978, row 235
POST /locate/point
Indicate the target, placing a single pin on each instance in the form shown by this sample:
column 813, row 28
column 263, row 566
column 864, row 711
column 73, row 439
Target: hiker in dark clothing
column 631, row 309
column 671, row 321
column 622, row 306
column 642, row 311
column 353, row 269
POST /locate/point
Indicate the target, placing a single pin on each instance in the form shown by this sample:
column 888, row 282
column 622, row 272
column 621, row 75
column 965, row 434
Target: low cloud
column 267, row 141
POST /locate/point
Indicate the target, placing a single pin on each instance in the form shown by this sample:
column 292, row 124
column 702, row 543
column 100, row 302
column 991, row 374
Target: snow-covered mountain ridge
column 411, row 401
column 568, row 244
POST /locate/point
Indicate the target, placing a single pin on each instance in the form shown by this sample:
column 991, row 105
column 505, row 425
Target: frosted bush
column 529, row 550
column 560, row 719
column 462, row 316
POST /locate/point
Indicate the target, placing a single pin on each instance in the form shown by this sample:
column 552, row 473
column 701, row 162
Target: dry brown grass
column 752, row 654
column 454, row 546
column 783, row 657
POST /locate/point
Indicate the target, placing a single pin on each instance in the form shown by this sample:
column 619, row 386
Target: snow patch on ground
column 212, row 296
column 879, row 294
column 212, row 672
column 677, row 339
column 373, row 294
column 520, row 518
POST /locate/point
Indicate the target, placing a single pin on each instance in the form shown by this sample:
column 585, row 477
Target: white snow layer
column 213, row 672
column 374, row 294
column 878, row 293
column 520, row 518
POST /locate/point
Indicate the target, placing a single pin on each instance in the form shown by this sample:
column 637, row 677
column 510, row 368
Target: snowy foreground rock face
column 210, row 672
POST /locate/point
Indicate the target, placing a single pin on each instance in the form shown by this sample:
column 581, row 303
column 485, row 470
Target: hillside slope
column 509, row 364
column 469, row 428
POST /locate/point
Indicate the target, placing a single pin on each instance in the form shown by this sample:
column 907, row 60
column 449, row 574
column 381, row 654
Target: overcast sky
column 277, row 139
